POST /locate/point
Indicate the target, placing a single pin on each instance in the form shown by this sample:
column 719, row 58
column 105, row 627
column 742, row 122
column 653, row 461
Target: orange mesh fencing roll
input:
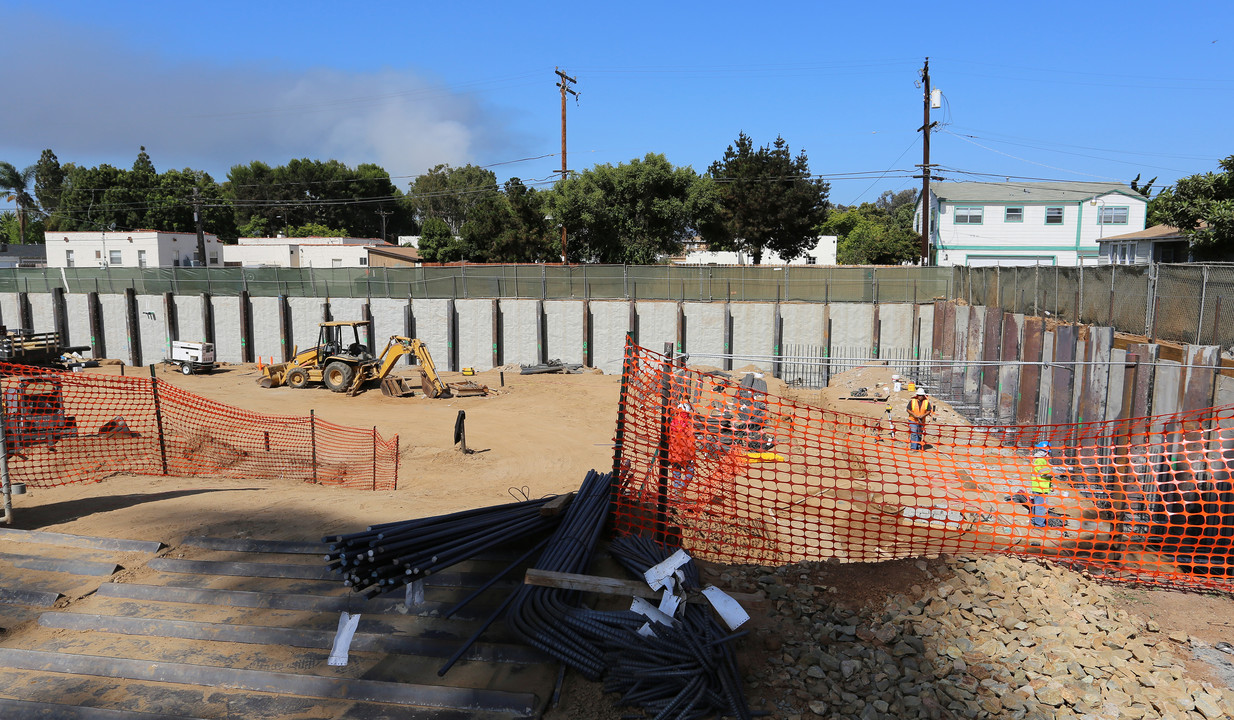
column 738, row 475
column 63, row 427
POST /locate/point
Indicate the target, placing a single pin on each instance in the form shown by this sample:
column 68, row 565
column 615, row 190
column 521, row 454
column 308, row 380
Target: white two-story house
column 1028, row 223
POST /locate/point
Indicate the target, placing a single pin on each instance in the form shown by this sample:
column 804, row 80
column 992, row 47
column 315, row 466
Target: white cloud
column 91, row 101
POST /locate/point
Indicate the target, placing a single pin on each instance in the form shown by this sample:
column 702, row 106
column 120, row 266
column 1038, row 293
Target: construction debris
column 552, row 366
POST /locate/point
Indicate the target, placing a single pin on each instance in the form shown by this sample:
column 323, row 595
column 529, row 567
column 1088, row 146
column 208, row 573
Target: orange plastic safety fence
column 741, row 476
column 63, row 427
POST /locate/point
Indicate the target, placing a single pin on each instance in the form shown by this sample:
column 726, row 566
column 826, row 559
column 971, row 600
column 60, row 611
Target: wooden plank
column 1009, row 372
column 556, row 505
column 1201, row 377
column 274, row 601
column 60, row 565
column 1059, row 409
column 32, row 598
column 442, row 647
column 616, row 586
column 1142, row 392
column 98, row 543
column 54, row 711
column 400, row 693
column 289, row 547
column 1030, row 374
column 991, row 347
column 241, row 569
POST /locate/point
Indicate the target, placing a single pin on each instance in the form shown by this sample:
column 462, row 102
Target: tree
column 1202, row 206
column 15, row 187
column 315, row 230
column 449, row 194
column 767, row 200
column 438, row 243
column 48, row 185
column 324, row 193
column 632, row 213
column 874, row 233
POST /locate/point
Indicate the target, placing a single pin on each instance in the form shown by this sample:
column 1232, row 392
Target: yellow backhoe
column 344, row 364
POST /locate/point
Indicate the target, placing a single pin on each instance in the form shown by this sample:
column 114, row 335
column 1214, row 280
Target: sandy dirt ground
column 535, row 435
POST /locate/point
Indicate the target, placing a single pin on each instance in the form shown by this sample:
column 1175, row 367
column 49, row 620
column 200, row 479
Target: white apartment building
column 132, row 249
column 1028, row 223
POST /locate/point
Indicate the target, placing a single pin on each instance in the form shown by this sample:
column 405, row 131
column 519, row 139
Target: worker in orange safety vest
column 919, row 411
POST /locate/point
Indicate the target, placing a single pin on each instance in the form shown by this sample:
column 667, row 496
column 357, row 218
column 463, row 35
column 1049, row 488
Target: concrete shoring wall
column 518, row 335
column 79, row 321
column 1082, row 382
column 152, row 327
column 188, row 316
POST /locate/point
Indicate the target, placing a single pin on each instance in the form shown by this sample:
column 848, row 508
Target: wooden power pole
column 926, row 126
column 564, row 83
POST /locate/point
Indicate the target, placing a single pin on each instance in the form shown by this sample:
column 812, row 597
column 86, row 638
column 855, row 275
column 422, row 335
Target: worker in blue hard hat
column 1040, row 483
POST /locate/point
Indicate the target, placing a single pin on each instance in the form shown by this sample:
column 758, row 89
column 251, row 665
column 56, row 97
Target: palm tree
column 15, row 184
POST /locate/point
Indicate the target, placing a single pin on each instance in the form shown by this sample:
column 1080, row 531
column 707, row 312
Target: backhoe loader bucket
column 396, row 387
column 272, row 376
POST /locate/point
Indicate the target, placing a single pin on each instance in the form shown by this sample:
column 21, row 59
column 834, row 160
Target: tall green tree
column 15, row 187
column 767, row 200
column 1202, row 206
column 508, row 228
column 48, row 185
column 632, row 213
column 438, row 243
column 314, row 192
column 449, row 194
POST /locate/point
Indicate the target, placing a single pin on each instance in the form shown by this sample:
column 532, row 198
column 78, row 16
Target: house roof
column 400, row 252
column 1156, row 232
column 1004, row 192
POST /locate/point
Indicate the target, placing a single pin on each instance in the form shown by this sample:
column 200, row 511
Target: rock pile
column 1001, row 637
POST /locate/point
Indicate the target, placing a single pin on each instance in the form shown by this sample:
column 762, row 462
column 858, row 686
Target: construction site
column 521, row 507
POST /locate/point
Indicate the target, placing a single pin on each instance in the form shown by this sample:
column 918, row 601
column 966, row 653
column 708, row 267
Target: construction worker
column 919, row 411
column 1040, row 483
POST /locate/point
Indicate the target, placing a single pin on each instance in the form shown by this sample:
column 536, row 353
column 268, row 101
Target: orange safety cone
column 259, row 362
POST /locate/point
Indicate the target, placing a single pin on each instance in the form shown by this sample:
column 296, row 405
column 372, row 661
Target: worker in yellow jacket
column 1040, row 483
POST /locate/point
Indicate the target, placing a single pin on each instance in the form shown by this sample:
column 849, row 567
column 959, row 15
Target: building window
column 68, row 259
column 114, row 257
column 141, row 258
column 364, row 261
column 336, row 262
column 811, row 260
column 1014, row 214
column 969, row 215
column 1112, row 216
column 1053, row 216
column 214, row 258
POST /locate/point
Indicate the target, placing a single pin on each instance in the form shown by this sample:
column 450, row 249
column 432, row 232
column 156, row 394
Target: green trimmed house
column 1028, row 223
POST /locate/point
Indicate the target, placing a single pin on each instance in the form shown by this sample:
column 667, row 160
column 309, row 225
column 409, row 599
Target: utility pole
column 384, row 214
column 201, row 236
column 564, row 83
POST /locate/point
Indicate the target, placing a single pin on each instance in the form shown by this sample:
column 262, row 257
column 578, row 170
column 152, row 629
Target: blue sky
column 1049, row 90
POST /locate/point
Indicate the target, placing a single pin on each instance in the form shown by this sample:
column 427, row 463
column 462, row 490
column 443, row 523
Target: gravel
column 1000, row 637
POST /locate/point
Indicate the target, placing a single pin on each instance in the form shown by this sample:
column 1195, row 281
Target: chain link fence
column 1190, row 303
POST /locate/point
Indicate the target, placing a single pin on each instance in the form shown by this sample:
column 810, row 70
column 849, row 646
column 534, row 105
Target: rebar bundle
column 684, row 670
column 383, row 557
